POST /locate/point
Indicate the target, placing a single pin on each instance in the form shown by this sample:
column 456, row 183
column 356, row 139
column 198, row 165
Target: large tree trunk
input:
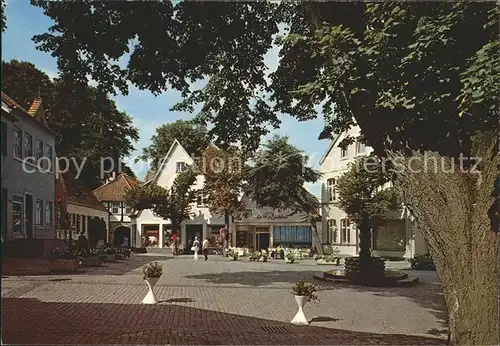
column 365, row 237
column 451, row 209
column 317, row 243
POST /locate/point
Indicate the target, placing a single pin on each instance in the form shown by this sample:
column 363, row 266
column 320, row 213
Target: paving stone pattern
column 215, row 302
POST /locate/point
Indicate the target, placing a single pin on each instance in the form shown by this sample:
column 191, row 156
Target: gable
column 115, row 190
column 166, row 174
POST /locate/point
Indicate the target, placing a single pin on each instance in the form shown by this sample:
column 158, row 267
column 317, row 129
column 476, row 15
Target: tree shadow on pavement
column 427, row 294
column 30, row 321
column 256, row 278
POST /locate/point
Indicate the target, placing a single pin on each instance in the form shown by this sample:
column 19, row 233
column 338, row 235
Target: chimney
column 112, row 177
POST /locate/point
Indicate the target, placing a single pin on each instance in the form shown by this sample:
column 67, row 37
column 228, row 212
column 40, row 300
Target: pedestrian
column 205, row 248
column 196, row 248
column 174, row 244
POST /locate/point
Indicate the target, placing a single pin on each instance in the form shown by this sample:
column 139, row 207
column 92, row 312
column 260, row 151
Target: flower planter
column 64, row 266
column 233, row 259
column 119, row 257
column 324, row 262
column 300, row 319
column 289, row 260
column 92, row 261
column 150, row 298
column 263, row 259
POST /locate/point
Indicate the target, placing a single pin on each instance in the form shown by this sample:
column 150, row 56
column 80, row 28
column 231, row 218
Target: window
column 180, row 167
column 128, row 210
column 73, row 219
column 4, row 139
column 84, row 224
column 345, row 232
column 17, row 215
column 330, row 190
column 49, row 213
column 115, row 208
column 77, row 217
column 292, row 235
column 49, row 155
column 16, row 138
column 343, row 153
column 39, row 212
column 360, row 147
column 38, row 150
column 28, row 145
column 200, row 200
column 331, row 232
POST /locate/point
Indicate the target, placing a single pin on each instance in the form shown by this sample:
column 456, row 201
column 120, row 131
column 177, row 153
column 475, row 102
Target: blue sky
column 148, row 111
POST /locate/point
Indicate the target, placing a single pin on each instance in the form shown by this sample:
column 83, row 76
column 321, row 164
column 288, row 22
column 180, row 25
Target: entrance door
column 193, row 231
column 262, row 241
column 28, row 216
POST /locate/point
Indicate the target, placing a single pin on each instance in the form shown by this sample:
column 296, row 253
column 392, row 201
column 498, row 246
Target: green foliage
column 192, row 136
column 278, row 176
column 4, row 18
column 87, row 122
column 152, row 270
column 306, row 289
column 224, row 173
column 173, row 203
column 359, row 190
column 57, row 254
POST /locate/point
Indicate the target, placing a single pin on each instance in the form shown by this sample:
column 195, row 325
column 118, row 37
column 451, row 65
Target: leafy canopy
column 192, row 136
column 278, row 176
column 87, row 122
column 362, row 191
column 173, row 204
column 224, row 173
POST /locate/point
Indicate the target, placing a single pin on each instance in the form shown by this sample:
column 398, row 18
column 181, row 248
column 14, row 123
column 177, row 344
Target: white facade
column 28, row 190
column 202, row 221
column 397, row 238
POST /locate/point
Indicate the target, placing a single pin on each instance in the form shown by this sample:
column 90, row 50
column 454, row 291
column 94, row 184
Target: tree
column 420, row 79
column 192, row 136
column 361, row 194
column 172, row 204
column 277, row 180
column 87, row 122
column 224, row 172
column 4, row 18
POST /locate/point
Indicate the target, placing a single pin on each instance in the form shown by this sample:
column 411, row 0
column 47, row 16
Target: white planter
column 289, row 261
column 300, row 319
column 150, row 298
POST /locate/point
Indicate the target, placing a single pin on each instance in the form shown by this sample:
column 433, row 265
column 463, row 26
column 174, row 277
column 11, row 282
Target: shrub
column 422, row 262
column 56, row 254
column 308, row 290
column 152, row 270
column 290, row 256
column 233, row 255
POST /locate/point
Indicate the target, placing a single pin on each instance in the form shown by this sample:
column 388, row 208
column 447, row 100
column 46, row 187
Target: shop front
column 151, row 235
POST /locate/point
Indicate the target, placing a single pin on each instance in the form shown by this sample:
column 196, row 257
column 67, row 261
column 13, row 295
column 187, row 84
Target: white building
column 28, row 188
column 262, row 229
column 396, row 238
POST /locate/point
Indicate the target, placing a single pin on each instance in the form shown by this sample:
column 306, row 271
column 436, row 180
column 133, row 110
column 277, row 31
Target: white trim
column 330, row 147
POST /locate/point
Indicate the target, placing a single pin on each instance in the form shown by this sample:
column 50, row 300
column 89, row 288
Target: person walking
column 196, row 248
column 174, row 244
column 205, row 248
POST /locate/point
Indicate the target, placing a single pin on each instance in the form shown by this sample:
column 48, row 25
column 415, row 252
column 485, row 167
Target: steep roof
column 330, row 147
column 33, row 114
column 150, row 175
column 78, row 193
column 115, row 190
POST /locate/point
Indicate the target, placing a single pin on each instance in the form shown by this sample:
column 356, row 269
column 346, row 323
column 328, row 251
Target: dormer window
column 360, row 147
column 180, row 167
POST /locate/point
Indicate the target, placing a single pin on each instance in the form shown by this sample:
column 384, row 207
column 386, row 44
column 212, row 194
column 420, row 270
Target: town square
column 250, row 173
column 217, row 302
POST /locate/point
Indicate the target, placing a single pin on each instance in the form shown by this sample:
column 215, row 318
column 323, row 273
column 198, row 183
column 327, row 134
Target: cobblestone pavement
column 216, row 302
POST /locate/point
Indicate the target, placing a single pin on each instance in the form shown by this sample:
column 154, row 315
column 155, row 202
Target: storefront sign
column 269, row 216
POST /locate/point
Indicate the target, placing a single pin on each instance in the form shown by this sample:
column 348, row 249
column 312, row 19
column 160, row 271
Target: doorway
column 28, row 218
column 262, row 241
column 122, row 236
column 193, row 231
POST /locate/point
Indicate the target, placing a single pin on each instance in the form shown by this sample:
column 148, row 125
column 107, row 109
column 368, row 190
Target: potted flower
column 263, row 257
column 233, row 255
column 110, row 254
column 152, row 273
column 289, row 257
column 281, row 252
column 88, row 257
column 303, row 292
column 62, row 261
